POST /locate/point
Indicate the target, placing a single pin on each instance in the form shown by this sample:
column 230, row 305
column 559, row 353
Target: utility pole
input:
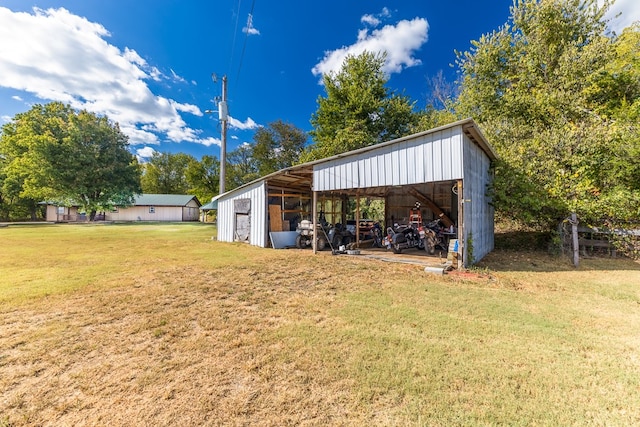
column 223, row 115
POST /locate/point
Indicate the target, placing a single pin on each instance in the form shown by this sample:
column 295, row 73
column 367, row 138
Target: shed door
column 242, row 210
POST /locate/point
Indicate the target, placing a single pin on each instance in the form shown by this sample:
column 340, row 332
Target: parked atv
column 339, row 235
column 305, row 236
column 405, row 237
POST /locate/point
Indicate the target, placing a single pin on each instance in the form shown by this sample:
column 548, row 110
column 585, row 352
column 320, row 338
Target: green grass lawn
column 159, row 324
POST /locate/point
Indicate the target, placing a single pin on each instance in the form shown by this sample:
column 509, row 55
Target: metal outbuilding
column 447, row 169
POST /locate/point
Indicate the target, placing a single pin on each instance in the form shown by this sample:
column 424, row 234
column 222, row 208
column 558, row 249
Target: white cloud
column 400, row 42
column 375, row 20
column 58, row 56
column 246, row 125
column 145, row 152
column 208, row 142
column 629, row 12
column 178, row 78
column 16, row 98
column 250, row 29
column 370, row 20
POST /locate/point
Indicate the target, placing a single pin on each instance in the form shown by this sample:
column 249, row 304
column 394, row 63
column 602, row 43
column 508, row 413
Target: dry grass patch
column 160, row 325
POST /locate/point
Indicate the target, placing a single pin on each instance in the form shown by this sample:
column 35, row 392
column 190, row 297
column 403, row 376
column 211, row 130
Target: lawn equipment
column 306, row 233
column 305, row 236
column 339, row 235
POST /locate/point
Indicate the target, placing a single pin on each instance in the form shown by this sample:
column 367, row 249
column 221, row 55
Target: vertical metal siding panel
column 395, row 168
column 402, row 163
column 478, row 214
column 344, row 175
column 225, row 223
column 258, row 216
column 428, row 159
column 331, row 176
column 447, row 161
column 226, row 216
column 437, row 157
column 373, row 180
column 456, row 154
column 354, row 174
column 364, row 172
column 419, row 161
column 378, row 177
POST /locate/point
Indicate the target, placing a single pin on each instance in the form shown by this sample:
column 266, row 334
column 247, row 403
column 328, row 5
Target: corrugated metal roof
column 209, row 206
column 301, row 175
column 164, row 200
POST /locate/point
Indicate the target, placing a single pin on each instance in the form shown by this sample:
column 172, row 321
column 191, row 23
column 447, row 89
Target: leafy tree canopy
column 277, row 146
column 358, row 109
column 53, row 152
column 555, row 93
column 166, row 173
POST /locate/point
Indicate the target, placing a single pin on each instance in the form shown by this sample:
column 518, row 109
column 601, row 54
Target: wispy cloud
column 246, row 125
column 399, row 41
column 373, row 20
column 58, row 56
column 249, row 28
column 144, row 153
column 622, row 14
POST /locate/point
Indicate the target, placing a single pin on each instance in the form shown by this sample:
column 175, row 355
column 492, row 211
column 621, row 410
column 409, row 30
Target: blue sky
column 148, row 64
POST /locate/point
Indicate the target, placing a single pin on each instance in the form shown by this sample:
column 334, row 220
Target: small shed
column 207, row 208
column 446, row 171
column 146, row 207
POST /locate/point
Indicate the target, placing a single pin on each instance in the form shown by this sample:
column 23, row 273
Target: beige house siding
column 62, row 214
column 146, row 213
column 174, row 208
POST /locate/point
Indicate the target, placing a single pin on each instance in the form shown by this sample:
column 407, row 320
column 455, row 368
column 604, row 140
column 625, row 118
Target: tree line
column 556, row 93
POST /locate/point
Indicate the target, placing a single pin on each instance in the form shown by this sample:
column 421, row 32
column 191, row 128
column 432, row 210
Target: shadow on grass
column 530, row 251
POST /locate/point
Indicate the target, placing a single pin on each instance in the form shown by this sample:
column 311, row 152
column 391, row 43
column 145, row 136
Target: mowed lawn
column 150, row 324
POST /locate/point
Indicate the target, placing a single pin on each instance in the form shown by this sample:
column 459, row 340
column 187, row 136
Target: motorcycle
column 405, row 237
column 434, row 236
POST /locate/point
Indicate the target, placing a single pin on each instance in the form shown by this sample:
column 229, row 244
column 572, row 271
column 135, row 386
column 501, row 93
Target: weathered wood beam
column 434, row 208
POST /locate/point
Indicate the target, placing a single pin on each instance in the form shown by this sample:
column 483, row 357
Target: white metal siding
column 478, row 213
column 427, row 158
column 258, row 215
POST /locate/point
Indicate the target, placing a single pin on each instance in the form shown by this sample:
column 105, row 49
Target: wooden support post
column 460, row 229
column 434, row 208
column 574, row 238
column 314, row 212
column 357, row 219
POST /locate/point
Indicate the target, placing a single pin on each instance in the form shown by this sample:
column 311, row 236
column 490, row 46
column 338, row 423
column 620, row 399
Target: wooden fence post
column 574, row 237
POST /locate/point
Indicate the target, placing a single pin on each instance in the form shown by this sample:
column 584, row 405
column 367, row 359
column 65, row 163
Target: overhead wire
column 235, row 32
column 246, row 36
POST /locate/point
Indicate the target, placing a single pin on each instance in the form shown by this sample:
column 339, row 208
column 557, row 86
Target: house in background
column 147, row 207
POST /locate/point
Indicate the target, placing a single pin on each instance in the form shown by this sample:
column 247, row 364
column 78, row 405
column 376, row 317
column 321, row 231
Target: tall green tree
column 277, row 146
column 358, row 109
column 53, row 152
column 166, row 173
column 241, row 168
column 535, row 86
column 203, row 177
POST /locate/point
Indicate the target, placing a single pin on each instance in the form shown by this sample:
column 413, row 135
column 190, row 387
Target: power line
column 246, row 36
column 235, row 31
